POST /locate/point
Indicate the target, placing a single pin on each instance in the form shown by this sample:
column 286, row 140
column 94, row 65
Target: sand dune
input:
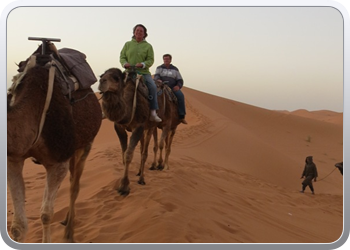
column 234, row 177
column 321, row 115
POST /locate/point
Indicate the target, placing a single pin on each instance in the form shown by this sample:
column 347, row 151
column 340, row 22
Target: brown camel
column 168, row 112
column 117, row 104
column 339, row 165
column 63, row 143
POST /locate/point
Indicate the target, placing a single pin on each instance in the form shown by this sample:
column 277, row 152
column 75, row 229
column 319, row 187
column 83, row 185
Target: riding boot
column 182, row 119
column 154, row 117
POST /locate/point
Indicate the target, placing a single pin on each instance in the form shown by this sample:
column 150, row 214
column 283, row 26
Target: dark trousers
column 308, row 182
column 181, row 102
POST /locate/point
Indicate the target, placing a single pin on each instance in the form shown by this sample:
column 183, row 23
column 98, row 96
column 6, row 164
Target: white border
column 10, row 5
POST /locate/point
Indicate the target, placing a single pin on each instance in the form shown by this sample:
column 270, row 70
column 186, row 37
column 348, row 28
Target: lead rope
column 327, row 175
column 135, row 97
column 47, row 102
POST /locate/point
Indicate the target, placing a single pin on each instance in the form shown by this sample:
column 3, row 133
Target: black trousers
column 308, row 182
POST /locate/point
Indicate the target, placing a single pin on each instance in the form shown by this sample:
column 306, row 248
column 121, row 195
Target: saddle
column 164, row 88
column 141, row 86
column 73, row 72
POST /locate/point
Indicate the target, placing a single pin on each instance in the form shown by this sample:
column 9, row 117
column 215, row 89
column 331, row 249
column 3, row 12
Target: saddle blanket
column 78, row 66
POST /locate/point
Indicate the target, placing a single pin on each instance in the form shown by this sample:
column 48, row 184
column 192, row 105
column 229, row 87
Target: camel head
column 339, row 165
column 112, row 80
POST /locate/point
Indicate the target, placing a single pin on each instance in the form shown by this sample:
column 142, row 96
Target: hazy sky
column 279, row 58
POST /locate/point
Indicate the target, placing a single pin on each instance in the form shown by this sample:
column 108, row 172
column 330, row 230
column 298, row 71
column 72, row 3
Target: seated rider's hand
column 176, row 88
column 127, row 65
column 139, row 65
column 160, row 81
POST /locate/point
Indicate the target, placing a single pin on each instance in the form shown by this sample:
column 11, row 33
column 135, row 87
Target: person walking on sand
column 139, row 53
column 310, row 172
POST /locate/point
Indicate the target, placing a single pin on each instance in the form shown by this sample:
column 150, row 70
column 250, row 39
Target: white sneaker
column 155, row 118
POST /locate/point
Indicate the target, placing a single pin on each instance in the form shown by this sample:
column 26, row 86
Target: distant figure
column 339, row 165
column 310, row 172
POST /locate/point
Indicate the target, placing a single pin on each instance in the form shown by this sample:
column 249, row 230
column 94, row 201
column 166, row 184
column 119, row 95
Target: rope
column 327, row 175
column 47, row 102
column 78, row 100
column 135, row 99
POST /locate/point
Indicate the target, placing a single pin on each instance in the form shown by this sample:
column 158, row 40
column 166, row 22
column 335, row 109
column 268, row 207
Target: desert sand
column 234, row 177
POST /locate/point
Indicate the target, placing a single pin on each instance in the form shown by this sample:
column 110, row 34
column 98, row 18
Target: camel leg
column 55, row 175
column 163, row 137
column 169, row 141
column 144, row 154
column 155, row 149
column 136, row 135
column 16, row 185
column 123, row 139
column 76, row 168
column 142, row 142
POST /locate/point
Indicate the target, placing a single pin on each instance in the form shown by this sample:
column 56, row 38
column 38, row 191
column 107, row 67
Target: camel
column 168, row 112
column 118, row 90
column 63, row 143
column 339, row 165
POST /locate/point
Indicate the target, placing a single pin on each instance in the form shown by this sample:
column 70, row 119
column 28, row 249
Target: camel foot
column 69, row 240
column 17, row 235
column 124, row 188
column 141, row 182
column 153, row 167
column 124, row 191
column 160, row 167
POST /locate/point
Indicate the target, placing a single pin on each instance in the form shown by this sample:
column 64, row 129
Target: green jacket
column 134, row 52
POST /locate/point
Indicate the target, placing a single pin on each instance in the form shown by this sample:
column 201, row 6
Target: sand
column 234, row 177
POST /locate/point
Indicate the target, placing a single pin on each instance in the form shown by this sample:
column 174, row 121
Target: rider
column 171, row 74
column 139, row 52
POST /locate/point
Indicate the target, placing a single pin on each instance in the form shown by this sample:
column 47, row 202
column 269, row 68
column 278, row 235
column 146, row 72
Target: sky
column 277, row 58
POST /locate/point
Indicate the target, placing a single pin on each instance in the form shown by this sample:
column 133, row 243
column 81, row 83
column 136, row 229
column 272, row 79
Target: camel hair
column 118, row 92
column 64, row 143
column 168, row 112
